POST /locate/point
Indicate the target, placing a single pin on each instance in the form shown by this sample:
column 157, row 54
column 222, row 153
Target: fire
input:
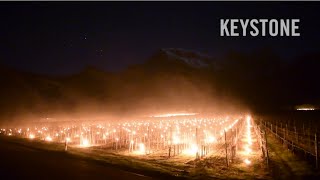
column 142, row 148
column 192, row 150
column 48, row 138
column 68, row 139
column 247, row 150
column 247, row 161
column 211, row 139
column 85, row 143
column 247, row 147
column 175, row 114
column 181, row 135
column 31, row 136
column 176, row 140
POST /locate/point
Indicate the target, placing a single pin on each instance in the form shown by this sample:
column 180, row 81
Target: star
column 99, row 52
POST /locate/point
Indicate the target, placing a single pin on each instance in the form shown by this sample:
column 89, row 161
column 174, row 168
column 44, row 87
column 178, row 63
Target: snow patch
column 193, row 59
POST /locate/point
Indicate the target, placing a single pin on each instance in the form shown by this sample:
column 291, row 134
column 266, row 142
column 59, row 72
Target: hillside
column 170, row 80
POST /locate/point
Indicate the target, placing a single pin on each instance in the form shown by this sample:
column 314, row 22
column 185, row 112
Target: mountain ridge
column 259, row 80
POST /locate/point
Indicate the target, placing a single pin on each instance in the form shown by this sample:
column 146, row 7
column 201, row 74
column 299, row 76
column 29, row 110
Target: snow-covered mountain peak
column 191, row 58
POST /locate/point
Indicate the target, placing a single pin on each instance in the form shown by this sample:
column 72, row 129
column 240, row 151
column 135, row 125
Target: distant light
column 305, row 109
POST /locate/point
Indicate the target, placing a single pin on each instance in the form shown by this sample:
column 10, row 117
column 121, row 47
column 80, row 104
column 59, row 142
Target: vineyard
column 181, row 143
column 226, row 140
column 299, row 139
column 162, row 135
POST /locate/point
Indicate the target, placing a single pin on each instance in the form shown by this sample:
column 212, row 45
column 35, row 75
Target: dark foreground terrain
column 21, row 162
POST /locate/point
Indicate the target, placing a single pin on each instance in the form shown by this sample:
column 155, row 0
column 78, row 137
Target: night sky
column 63, row 38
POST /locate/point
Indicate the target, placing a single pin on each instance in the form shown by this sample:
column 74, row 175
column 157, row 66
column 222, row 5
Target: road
column 20, row 162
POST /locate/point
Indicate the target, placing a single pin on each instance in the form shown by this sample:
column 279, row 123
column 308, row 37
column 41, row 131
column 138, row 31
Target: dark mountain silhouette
column 171, row 80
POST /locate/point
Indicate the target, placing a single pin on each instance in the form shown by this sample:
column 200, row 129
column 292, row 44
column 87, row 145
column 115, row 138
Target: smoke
column 134, row 93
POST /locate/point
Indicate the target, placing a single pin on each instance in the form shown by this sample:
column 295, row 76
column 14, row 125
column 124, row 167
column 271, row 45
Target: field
column 181, row 147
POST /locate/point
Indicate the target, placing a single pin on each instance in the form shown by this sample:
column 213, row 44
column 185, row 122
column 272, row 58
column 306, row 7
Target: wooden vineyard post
column 309, row 139
column 149, row 139
column 284, row 135
column 297, row 137
column 91, row 136
column 81, row 138
column 232, row 143
column 266, row 147
column 281, row 130
column 116, row 144
column 66, row 145
column 197, row 153
column 157, row 142
column 265, row 124
column 237, row 138
column 316, row 148
column 225, row 140
column 292, row 147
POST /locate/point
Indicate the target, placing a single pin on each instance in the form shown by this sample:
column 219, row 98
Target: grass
column 284, row 164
